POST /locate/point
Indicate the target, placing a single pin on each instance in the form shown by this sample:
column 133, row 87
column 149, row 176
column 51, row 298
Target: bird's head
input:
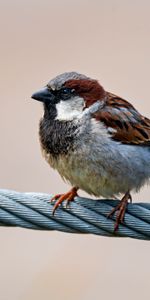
column 67, row 95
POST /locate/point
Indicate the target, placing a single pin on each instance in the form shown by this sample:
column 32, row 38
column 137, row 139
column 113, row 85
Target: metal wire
column 33, row 211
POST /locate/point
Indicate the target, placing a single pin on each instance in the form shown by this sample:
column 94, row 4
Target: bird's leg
column 60, row 198
column 120, row 209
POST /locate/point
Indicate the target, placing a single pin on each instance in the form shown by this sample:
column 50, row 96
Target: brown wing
column 130, row 127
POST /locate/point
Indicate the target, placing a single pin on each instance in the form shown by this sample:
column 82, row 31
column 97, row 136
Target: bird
column 96, row 140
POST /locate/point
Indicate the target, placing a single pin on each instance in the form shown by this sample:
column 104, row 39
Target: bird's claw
column 60, row 198
column 120, row 210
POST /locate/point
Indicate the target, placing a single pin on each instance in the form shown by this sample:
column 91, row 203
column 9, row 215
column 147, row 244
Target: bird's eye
column 67, row 91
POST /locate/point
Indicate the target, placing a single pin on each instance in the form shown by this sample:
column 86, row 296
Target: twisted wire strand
column 33, row 211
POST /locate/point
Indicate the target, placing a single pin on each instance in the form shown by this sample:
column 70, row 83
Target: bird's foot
column 120, row 209
column 62, row 197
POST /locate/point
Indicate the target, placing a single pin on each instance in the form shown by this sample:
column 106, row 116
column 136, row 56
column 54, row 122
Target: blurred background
column 108, row 40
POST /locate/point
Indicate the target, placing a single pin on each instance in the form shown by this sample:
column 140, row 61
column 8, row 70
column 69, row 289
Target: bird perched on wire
column 96, row 140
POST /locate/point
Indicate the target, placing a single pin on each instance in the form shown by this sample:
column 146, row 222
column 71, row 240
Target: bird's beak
column 44, row 95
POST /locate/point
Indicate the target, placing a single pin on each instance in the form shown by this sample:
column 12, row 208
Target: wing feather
column 130, row 127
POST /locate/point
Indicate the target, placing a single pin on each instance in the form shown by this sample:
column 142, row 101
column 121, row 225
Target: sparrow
column 97, row 141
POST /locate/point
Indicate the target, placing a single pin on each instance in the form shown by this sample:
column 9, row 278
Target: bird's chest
column 73, row 151
column 57, row 139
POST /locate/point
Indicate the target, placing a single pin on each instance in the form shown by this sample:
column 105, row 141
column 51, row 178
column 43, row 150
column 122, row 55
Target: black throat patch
column 57, row 137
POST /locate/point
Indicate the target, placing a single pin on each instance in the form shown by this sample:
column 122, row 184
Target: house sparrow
column 96, row 140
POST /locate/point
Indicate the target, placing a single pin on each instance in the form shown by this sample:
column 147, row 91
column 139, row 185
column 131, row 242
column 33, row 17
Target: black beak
column 44, row 95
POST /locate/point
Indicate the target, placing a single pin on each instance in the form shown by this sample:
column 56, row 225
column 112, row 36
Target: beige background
column 105, row 39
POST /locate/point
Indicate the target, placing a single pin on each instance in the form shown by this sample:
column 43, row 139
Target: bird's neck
column 57, row 137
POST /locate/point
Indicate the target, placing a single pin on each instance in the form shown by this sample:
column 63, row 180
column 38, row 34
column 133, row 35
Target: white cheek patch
column 70, row 109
